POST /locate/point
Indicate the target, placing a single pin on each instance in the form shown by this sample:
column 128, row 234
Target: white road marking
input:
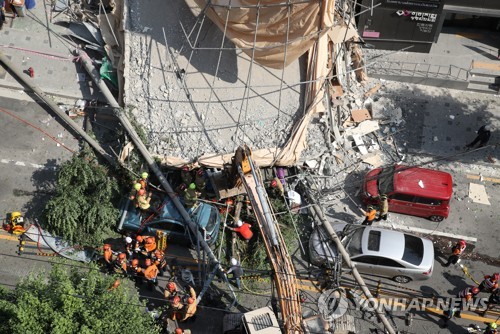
column 24, row 164
column 425, row 231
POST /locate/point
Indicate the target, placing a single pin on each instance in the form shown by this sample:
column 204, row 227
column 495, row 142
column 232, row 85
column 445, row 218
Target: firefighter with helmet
column 490, row 283
column 456, row 252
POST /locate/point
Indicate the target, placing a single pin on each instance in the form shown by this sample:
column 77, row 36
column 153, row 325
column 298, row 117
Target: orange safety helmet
column 139, row 238
column 148, row 262
column 179, row 331
column 190, row 300
column 176, row 300
column 496, row 277
column 106, row 247
column 462, row 243
column 185, row 168
column 200, row 172
column 171, row 286
column 141, row 192
column 475, row 290
column 135, row 262
column 122, row 256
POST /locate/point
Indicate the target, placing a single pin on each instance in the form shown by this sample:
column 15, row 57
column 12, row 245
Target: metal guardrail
column 421, row 70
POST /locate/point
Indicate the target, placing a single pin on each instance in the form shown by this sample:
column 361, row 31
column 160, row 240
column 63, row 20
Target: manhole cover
column 332, row 304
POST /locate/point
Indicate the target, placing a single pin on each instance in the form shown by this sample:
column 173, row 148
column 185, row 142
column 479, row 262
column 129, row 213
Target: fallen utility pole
column 87, row 64
column 317, row 212
column 23, row 78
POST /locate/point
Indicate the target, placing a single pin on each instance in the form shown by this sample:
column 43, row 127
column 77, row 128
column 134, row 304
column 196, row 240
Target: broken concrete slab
column 363, row 128
column 477, row 193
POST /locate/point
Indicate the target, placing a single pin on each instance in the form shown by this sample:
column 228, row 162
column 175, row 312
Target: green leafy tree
column 72, row 301
column 82, row 211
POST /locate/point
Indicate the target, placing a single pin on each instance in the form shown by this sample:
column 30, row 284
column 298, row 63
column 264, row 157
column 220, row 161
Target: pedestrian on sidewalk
column 370, row 215
column 456, row 251
column 483, row 136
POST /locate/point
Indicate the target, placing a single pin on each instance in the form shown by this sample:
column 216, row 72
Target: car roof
column 392, row 243
column 422, row 181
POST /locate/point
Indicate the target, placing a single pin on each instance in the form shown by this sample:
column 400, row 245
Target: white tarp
column 58, row 245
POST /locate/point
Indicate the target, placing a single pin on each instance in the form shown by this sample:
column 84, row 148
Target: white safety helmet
column 234, row 261
column 128, row 240
column 487, row 127
column 239, row 223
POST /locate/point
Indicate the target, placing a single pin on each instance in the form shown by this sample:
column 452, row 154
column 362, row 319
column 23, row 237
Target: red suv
column 410, row 190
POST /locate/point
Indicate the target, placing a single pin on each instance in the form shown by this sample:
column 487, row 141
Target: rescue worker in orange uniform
column 465, row 295
column 133, row 192
column 139, row 244
column 456, row 252
column 160, row 261
column 143, row 200
column 143, row 181
column 176, row 308
column 135, row 271
column 200, row 181
column 151, row 274
column 190, row 309
column 171, row 290
column 244, row 229
column 370, row 215
column 150, row 245
column 490, row 283
column 120, row 264
column 107, row 256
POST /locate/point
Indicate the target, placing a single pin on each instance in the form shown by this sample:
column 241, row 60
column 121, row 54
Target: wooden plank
column 221, row 186
column 485, row 66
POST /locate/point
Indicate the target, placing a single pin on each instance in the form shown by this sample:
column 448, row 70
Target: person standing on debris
column 237, row 272
column 133, row 192
column 190, row 196
column 190, row 309
column 483, row 136
column 370, row 215
column 151, row 274
column 383, row 208
column 143, row 200
column 244, row 229
column 200, row 181
column 456, row 252
column 143, row 181
column 490, row 283
column 186, row 175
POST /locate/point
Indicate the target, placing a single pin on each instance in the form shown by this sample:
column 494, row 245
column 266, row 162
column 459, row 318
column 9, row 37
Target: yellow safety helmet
column 137, row 186
column 144, row 175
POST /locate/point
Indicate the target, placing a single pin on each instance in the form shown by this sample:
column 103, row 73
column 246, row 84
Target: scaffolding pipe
column 87, row 64
column 23, row 78
column 318, row 213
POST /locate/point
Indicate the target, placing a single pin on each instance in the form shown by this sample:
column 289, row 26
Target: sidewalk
column 33, row 41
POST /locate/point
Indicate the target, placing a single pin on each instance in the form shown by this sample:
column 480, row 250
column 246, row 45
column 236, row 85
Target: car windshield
column 354, row 244
column 385, row 181
column 414, row 250
column 213, row 219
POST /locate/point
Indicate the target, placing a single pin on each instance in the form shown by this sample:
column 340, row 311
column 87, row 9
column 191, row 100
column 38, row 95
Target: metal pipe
column 318, row 213
column 23, row 78
column 87, row 64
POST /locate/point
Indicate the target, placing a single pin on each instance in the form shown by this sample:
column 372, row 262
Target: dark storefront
column 399, row 24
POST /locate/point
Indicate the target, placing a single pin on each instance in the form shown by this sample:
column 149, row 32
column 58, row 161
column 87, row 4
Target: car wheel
column 436, row 218
column 402, row 279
